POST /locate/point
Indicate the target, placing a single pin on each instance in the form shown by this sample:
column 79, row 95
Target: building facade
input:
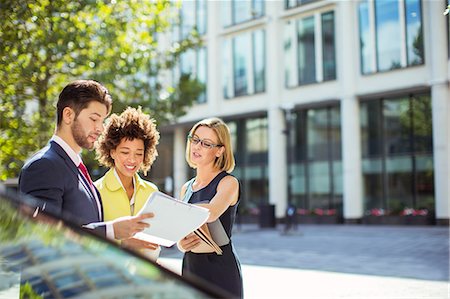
column 337, row 107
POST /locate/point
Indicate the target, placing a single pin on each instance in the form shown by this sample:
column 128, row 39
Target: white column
column 214, row 54
column 436, row 47
column 179, row 162
column 277, row 169
column 441, row 149
column 277, row 162
column 347, row 50
column 351, row 159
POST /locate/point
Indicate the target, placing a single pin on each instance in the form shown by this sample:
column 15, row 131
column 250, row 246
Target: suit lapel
column 60, row 151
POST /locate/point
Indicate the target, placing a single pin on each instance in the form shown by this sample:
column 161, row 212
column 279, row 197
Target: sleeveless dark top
column 224, row 271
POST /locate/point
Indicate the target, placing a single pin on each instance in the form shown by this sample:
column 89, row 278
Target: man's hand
column 136, row 244
column 126, row 227
column 189, row 242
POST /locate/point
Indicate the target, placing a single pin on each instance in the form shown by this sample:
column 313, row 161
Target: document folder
column 173, row 219
column 213, row 236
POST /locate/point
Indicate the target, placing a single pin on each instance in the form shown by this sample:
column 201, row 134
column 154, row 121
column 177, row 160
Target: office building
column 336, row 106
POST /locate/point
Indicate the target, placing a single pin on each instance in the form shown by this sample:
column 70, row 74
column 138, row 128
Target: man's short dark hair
column 78, row 94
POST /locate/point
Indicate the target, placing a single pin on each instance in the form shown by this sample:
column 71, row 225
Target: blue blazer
column 54, row 180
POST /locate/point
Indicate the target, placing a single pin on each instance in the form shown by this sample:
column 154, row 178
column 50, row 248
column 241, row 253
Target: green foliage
column 26, row 291
column 46, row 44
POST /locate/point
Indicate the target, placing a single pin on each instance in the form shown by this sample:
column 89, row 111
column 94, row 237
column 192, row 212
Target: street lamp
column 289, row 132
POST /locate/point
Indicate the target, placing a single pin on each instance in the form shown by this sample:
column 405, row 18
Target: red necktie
column 84, row 171
column 86, row 175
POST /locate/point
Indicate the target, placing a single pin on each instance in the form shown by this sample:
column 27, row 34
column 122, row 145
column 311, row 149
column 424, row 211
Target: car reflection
column 44, row 257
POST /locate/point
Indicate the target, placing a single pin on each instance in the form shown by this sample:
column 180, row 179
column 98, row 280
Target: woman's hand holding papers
column 189, row 242
column 126, row 227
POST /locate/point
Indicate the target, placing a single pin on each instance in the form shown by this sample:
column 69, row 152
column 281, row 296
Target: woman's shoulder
column 147, row 184
column 229, row 179
column 102, row 181
column 151, row 185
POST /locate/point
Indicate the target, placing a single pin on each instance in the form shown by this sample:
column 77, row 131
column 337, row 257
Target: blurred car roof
column 44, row 256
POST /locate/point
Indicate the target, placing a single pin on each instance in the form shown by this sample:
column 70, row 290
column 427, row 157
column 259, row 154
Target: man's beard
column 79, row 137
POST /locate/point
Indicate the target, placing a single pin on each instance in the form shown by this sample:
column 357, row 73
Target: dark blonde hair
column 226, row 160
column 131, row 124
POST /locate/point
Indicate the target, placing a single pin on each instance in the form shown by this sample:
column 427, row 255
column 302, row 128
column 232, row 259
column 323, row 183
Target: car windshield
column 44, row 257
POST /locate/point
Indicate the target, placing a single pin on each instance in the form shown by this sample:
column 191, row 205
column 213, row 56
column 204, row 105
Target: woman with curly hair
column 127, row 145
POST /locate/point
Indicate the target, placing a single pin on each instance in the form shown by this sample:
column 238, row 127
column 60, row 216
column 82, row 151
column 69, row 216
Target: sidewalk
column 277, row 282
column 340, row 261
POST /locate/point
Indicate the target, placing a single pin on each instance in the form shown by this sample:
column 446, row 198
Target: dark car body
column 42, row 256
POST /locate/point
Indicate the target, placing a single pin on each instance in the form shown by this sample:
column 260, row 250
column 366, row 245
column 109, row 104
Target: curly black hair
column 131, row 124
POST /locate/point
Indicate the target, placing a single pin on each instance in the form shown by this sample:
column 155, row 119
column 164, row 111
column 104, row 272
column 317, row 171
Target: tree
column 47, row 43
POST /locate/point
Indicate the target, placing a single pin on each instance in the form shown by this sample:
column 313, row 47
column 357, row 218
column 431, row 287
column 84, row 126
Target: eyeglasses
column 204, row 143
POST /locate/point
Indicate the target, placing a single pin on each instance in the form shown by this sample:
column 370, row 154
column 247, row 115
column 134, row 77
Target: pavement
column 340, row 261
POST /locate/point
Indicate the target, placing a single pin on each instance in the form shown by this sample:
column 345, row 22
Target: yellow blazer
column 114, row 198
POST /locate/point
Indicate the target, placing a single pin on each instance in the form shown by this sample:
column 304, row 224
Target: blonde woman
column 209, row 151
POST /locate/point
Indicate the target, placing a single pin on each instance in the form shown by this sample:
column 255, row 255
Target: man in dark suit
column 56, row 175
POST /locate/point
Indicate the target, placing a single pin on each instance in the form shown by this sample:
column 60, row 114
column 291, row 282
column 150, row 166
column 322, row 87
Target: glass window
column 233, row 133
column 193, row 15
column 316, row 172
column 161, row 172
column 371, row 129
column 335, row 132
column 397, row 126
column 201, row 21
column 258, row 8
column 187, row 18
column 241, row 57
column 193, row 62
column 226, row 8
column 328, row 50
column 414, row 36
column 227, row 69
column 290, row 73
column 256, row 136
column 422, row 126
column 317, row 134
column 246, row 74
column 306, row 51
column 187, row 62
column 397, row 31
column 398, row 153
column 366, row 44
column 239, row 11
column 242, row 9
column 399, row 183
column 388, row 31
column 294, row 3
column 250, row 146
column 290, row 3
column 259, row 60
column 300, row 142
column 373, row 189
column 202, row 73
column 302, row 59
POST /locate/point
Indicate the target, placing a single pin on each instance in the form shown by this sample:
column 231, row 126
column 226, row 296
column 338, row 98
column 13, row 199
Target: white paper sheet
column 173, row 219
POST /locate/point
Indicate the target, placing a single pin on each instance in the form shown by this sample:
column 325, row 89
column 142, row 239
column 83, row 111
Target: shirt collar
column 113, row 181
column 75, row 157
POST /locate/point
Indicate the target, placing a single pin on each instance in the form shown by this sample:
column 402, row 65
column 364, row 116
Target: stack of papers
column 207, row 243
column 213, row 235
column 173, row 219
